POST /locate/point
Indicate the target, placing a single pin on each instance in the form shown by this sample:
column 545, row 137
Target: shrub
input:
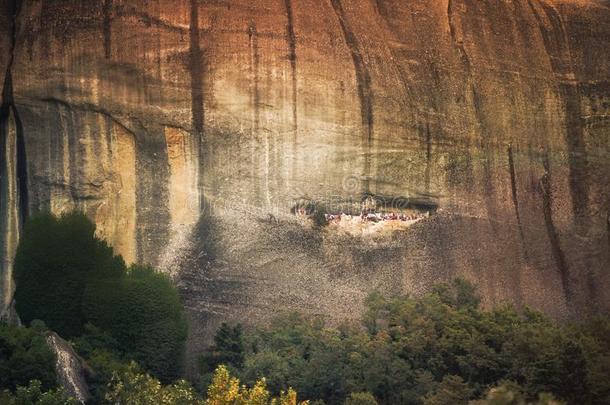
column 226, row 390
column 228, row 349
column 33, row 394
column 25, row 356
column 361, row 398
column 142, row 311
column 451, row 391
column 511, row 394
column 439, row 348
column 56, row 260
column 131, row 386
column 69, row 278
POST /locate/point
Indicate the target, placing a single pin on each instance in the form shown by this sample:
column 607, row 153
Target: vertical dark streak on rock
column 489, row 191
column 196, row 71
column 459, row 45
column 407, row 103
column 3, row 183
column 577, row 163
column 553, row 235
column 608, row 229
column 402, row 75
column 254, row 104
column 382, row 9
column 152, row 193
column 292, row 56
column 108, row 134
column 363, row 82
column 107, row 28
column 22, row 170
column 513, row 189
column 8, row 106
column 256, row 78
column 428, row 156
column 556, row 42
column 71, row 128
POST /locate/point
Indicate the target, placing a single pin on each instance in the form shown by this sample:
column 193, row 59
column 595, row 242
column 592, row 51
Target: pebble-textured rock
column 179, row 126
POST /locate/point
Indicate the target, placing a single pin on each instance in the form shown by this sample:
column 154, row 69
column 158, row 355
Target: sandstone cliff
column 178, row 126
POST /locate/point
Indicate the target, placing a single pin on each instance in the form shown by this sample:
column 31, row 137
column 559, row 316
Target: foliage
column 226, row 390
column 33, row 394
column 511, row 394
column 24, row 356
column 133, row 387
column 56, row 260
column 69, row 278
column 451, row 391
column 228, row 348
column 440, row 348
column 360, row 398
column 103, row 356
column 143, row 313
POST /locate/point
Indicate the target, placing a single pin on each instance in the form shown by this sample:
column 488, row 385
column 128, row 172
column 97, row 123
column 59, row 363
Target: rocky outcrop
column 179, row 126
column 69, row 368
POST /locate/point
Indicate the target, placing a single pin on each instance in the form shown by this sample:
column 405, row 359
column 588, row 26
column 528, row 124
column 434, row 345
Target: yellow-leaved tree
column 226, row 390
column 134, row 387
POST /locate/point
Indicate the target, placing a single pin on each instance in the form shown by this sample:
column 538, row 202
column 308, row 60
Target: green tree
column 438, row 348
column 228, row 349
column 143, row 312
column 361, row 398
column 25, row 356
column 33, row 394
column 511, row 394
column 226, row 390
column 103, row 355
column 56, row 260
column 131, row 386
column 69, row 278
column 451, row 391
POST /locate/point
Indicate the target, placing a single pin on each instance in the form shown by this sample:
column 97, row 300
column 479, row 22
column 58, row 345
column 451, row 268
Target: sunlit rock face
column 179, row 126
column 69, row 368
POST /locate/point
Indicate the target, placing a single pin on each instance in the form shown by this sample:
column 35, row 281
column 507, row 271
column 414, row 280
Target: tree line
column 128, row 325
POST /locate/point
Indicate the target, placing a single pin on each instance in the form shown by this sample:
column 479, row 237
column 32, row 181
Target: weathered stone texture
column 143, row 112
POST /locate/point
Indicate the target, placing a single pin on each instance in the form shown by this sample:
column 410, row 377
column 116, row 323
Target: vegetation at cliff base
column 57, row 259
column 143, row 313
column 25, row 356
column 134, row 387
column 73, row 281
column 34, row 394
column 128, row 324
column 438, row 349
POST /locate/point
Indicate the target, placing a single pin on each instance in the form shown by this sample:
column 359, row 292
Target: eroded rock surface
column 179, row 126
column 69, row 368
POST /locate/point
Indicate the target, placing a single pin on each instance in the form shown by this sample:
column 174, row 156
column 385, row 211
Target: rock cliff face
column 179, row 126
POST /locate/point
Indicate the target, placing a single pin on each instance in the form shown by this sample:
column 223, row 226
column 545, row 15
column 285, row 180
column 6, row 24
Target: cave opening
column 369, row 214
